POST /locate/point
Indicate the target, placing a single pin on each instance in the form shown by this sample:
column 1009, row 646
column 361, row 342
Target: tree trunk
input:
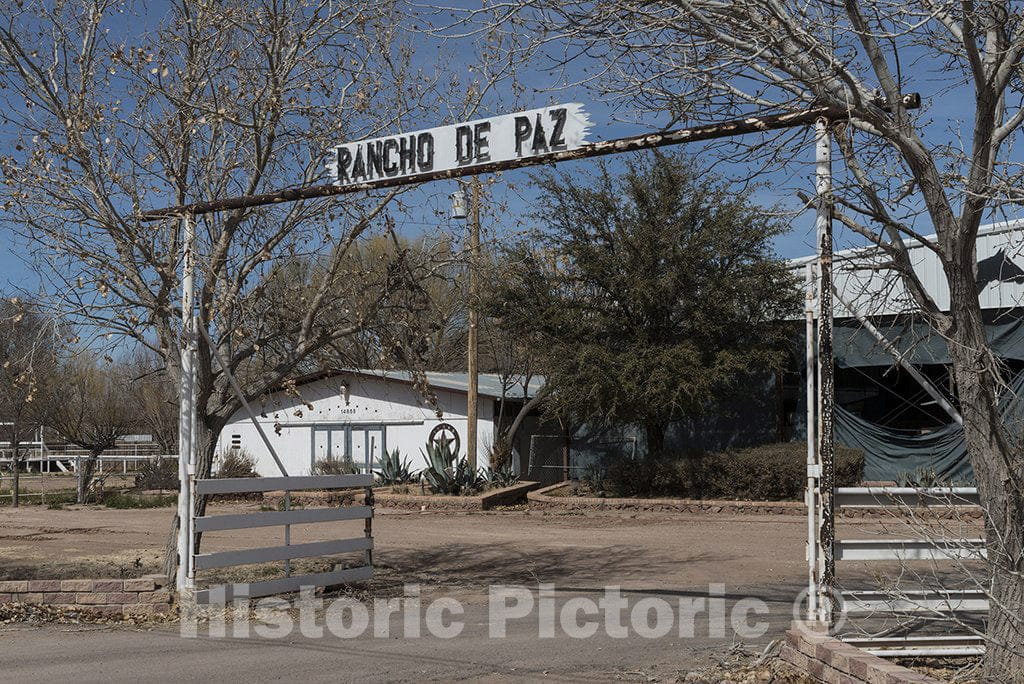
column 16, row 474
column 16, row 463
column 563, row 423
column 524, row 410
column 655, row 433
column 205, row 452
column 88, row 468
column 1005, row 650
column 998, row 470
column 998, row 480
column 170, row 568
column 780, row 408
column 206, row 447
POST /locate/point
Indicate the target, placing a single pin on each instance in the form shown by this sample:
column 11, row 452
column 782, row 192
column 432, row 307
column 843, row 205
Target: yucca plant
column 447, row 474
column 394, row 470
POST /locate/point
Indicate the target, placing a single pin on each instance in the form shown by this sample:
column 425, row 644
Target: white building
column 359, row 414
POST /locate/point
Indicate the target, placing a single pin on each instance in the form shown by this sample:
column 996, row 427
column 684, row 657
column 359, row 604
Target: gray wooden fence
column 288, row 551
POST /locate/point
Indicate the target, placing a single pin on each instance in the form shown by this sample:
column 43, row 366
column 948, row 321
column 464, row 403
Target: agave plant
column 394, row 470
column 502, row 476
column 447, row 474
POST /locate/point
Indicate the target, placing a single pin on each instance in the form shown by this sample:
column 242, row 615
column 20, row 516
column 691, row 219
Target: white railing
column 70, row 461
column 912, row 602
column 57, row 468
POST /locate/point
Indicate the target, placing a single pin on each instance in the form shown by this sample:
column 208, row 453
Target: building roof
column 489, row 383
column 875, row 291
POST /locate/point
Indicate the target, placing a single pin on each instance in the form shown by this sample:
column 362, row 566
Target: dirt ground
column 469, row 550
column 32, row 483
column 457, row 555
column 453, row 549
column 450, row 554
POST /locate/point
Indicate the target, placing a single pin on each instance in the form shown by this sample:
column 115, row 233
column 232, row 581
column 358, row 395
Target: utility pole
column 473, row 388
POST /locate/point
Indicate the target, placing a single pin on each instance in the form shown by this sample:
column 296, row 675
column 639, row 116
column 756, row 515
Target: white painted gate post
column 186, row 408
column 813, row 471
column 826, row 383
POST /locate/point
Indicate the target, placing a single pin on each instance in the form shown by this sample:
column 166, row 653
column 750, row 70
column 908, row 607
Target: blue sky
column 429, row 204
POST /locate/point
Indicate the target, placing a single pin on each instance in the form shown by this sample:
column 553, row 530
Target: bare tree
column 28, row 356
column 221, row 99
column 509, row 353
column 903, row 177
column 420, row 324
column 156, row 394
column 96, row 408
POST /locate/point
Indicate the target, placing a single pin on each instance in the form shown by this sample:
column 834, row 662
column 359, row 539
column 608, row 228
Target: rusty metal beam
column 725, row 129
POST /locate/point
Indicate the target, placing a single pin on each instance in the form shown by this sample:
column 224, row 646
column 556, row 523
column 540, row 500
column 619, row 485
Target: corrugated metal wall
column 861, row 279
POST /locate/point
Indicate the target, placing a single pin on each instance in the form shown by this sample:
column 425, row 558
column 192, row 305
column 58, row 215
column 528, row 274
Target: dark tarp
column 889, row 453
column 856, row 347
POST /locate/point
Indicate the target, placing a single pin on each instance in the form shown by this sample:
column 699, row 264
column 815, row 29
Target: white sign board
column 532, row 133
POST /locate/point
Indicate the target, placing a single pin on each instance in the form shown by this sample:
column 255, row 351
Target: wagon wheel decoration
column 444, row 434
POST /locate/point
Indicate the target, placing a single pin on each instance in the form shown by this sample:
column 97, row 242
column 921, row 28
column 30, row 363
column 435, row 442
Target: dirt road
column 457, row 550
column 457, row 556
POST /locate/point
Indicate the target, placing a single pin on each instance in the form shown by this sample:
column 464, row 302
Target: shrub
column 57, row 501
column 123, row 501
column 447, row 474
column 394, row 470
column 236, row 463
column 334, row 466
column 927, row 477
column 771, row 472
column 158, row 474
column 644, row 477
column 499, row 454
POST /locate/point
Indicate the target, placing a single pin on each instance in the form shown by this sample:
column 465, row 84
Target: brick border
column 142, row 597
column 385, row 498
column 540, row 500
column 809, row 648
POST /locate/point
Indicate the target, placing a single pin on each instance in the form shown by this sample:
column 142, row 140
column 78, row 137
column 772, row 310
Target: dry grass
column 125, row 565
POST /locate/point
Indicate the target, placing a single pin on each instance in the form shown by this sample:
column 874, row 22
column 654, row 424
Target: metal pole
column 826, row 380
column 185, row 408
column 472, row 391
column 368, row 525
column 193, row 456
column 813, row 471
